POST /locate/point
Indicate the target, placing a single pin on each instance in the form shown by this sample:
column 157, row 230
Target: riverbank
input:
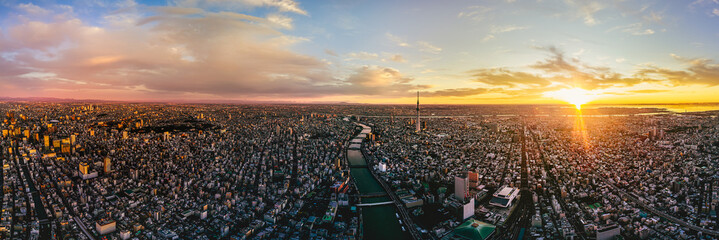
column 380, row 222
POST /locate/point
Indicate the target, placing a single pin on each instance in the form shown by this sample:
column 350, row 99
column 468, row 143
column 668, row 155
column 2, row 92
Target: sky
column 452, row 52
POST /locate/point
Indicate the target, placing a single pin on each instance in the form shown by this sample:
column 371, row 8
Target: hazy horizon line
column 201, row 101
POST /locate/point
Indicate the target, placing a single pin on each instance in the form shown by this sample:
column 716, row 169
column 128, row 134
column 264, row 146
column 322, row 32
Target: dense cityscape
column 85, row 170
column 345, row 119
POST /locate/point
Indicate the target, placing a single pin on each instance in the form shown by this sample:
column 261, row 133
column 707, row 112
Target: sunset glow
column 403, row 120
column 493, row 52
column 574, row 96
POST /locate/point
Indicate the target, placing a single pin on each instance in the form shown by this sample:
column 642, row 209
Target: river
column 380, row 222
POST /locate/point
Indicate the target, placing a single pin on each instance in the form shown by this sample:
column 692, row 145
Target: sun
column 574, row 96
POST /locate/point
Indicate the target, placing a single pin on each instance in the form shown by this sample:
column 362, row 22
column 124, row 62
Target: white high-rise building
column 468, row 209
column 382, row 167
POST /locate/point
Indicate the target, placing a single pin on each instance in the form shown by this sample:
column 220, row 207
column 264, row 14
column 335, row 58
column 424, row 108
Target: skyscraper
column 461, row 187
column 418, row 124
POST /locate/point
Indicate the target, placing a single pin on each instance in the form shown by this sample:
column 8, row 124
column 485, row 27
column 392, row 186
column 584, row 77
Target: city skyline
column 409, row 119
column 462, row 52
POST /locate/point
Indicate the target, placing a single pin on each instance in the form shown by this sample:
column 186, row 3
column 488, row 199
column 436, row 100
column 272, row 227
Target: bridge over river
column 379, row 219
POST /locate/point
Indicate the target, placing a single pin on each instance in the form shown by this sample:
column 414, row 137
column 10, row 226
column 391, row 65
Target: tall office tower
column 473, row 179
column 107, row 165
column 461, row 187
column 418, row 126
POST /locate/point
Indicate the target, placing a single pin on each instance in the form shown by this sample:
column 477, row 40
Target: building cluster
column 172, row 171
column 155, row 171
column 596, row 176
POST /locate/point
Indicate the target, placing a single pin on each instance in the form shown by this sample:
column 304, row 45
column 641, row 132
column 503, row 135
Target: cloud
column 699, row 71
column 375, row 80
column 634, row 29
column 579, row 53
column 179, row 52
column 33, row 9
column 586, row 9
column 362, row 56
column 457, row 92
column 655, row 17
column 422, row 46
column 487, row 38
column 507, row 28
column 475, row 13
column 504, row 77
column 395, row 58
column 555, row 63
column 397, row 40
column 702, row 2
column 331, row 53
column 209, row 53
column 280, row 21
column 40, row 35
column 225, row 5
column 648, row 91
column 589, row 10
column 716, row 12
column 495, row 30
column 558, row 72
column 427, row 47
column 170, row 10
column 575, row 73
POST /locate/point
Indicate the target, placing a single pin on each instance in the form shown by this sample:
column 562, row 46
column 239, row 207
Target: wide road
column 521, row 217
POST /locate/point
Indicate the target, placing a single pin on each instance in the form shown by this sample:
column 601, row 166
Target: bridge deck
column 374, row 204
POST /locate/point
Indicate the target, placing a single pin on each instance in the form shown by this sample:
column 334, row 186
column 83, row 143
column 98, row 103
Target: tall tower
column 418, row 125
